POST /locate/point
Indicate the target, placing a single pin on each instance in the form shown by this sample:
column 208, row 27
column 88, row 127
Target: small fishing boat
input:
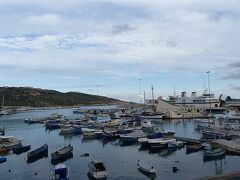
column 175, row 144
column 10, row 142
column 88, row 132
column 97, row 169
column 193, row 148
column 31, row 120
column 2, row 160
column 143, row 141
column 110, row 133
column 43, row 150
column 4, row 150
column 62, row 154
column 147, row 126
column 21, row 150
column 145, row 167
column 160, row 142
column 214, row 153
column 60, row 172
column 52, row 125
column 2, row 131
column 132, row 137
column 98, row 134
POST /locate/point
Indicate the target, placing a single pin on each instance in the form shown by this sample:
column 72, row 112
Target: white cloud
column 42, row 19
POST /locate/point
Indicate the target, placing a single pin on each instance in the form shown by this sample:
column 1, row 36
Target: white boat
column 88, row 132
column 145, row 167
column 143, row 141
column 9, row 142
column 97, row 169
column 175, row 144
column 160, row 142
column 60, row 172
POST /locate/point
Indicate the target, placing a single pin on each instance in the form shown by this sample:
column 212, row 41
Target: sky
column 105, row 47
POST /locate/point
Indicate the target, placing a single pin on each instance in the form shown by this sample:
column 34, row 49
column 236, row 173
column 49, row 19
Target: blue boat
column 155, row 135
column 60, row 172
column 42, row 151
column 21, row 150
column 2, row 160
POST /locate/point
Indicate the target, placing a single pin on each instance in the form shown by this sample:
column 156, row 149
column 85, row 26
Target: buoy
column 174, row 169
column 35, row 173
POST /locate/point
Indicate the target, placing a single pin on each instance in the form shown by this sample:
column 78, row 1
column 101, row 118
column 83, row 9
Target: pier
column 232, row 146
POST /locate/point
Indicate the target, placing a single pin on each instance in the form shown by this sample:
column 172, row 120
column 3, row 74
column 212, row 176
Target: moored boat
column 2, row 131
column 88, row 132
column 43, row 150
column 4, row 150
column 160, row 142
column 10, row 142
column 212, row 153
column 3, row 159
column 61, row 154
column 21, row 150
column 146, row 168
column 60, row 172
column 175, row 144
column 97, row 169
column 193, row 148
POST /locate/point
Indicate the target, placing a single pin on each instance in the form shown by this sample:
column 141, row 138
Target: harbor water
column 120, row 161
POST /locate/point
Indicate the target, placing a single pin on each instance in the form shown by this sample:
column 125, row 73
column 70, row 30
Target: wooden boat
column 52, row 125
column 2, row 131
column 21, row 150
column 43, row 150
column 97, row 169
column 110, row 133
column 132, row 137
column 214, row 153
column 2, row 160
column 10, row 142
column 193, row 148
column 160, row 142
column 146, row 168
column 61, row 154
column 88, row 132
column 175, row 144
column 4, row 150
column 32, row 121
column 60, row 172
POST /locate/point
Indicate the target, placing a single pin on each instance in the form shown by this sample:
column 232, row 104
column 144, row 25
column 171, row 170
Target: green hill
column 35, row 97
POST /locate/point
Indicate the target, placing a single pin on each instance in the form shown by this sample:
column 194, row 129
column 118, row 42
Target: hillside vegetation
column 35, row 97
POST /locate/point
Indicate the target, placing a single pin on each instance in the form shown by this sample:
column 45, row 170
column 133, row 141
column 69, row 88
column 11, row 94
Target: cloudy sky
column 75, row 45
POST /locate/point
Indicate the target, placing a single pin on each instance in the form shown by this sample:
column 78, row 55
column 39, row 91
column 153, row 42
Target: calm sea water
column 120, row 161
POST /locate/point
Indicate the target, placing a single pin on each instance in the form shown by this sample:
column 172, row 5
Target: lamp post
column 140, row 90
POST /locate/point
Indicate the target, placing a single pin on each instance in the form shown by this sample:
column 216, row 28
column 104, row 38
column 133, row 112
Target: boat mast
column 209, row 93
